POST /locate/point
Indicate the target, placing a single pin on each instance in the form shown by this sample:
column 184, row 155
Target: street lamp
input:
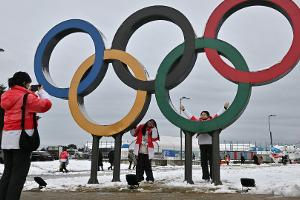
column 271, row 138
column 180, row 100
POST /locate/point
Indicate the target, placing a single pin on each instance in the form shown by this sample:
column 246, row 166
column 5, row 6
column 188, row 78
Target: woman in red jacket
column 64, row 160
column 144, row 149
column 17, row 161
column 205, row 140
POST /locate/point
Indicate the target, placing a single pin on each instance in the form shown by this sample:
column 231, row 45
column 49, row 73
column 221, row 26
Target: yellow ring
column 77, row 110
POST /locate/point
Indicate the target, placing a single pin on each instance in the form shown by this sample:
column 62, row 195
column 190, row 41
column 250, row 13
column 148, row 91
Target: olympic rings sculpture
column 175, row 67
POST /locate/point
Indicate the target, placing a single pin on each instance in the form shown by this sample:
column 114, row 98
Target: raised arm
column 134, row 132
column 155, row 135
column 223, row 109
column 186, row 112
column 39, row 104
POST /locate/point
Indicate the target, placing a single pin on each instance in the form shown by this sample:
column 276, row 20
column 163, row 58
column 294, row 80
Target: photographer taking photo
column 16, row 160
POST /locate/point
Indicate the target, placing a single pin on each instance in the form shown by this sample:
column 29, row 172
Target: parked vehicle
column 41, row 156
column 81, row 155
column 54, row 151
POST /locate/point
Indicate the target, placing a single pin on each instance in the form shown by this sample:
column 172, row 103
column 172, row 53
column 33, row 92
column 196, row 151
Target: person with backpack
column 16, row 160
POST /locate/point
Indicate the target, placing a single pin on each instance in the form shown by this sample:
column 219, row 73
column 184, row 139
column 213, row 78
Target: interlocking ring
column 288, row 8
column 229, row 116
column 172, row 71
column 47, row 45
column 76, row 103
column 179, row 71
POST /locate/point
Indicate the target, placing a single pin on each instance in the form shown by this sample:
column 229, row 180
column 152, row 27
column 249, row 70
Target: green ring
column 224, row 120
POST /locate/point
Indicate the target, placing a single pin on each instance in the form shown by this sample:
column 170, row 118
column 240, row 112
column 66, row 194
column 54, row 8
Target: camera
column 35, row 88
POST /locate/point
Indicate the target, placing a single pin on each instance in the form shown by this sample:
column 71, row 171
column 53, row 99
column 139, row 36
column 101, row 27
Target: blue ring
column 47, row 45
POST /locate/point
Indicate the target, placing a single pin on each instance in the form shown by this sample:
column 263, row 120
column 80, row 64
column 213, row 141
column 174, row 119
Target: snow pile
column 269, row 178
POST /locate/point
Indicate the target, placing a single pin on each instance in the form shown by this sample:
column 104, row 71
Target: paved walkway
column 143, row 196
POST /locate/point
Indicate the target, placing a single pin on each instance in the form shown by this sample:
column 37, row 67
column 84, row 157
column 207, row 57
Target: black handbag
column 28, row 143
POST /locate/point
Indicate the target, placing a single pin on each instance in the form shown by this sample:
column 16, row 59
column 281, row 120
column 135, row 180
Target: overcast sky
column 261, row 34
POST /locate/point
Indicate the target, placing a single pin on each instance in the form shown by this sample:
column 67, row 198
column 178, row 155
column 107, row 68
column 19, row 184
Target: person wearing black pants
column 16, row 167
column 144, row 165
column 145, row 135
column 111, row 158
column 63, row 167
column 205, row 139
column 206, row 158
column 18, row 117
column 100, row 161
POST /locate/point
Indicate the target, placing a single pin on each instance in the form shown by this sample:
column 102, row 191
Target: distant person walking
column 100, row 161
column 132, row 159
column 111, row 159
column 242, row 159
column 205, row 140
column 255, row 159
column 260, row 159
column 16, row 160
column 227, row 159
column 64, row 160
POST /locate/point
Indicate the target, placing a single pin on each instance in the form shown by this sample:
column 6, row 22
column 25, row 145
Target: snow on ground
column 269, row 178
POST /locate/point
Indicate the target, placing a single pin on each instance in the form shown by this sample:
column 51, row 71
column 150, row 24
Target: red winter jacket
column 63, row 156
column 11, row 102
column 138, row 133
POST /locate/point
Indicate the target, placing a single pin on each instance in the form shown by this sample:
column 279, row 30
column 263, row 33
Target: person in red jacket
column 17, row 161
column 144, row 149
column 205, row 139
column 64, row 160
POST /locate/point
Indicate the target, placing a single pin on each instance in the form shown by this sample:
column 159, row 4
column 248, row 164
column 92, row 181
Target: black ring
column 141, row 115
column 184, row 66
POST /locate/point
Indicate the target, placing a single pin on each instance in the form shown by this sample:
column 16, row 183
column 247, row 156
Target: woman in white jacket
column 205, row 139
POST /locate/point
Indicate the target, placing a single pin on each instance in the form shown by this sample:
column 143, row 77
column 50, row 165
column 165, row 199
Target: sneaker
column 150, row 182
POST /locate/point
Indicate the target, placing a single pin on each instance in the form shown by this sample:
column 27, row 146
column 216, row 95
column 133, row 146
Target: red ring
column 265, row 76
